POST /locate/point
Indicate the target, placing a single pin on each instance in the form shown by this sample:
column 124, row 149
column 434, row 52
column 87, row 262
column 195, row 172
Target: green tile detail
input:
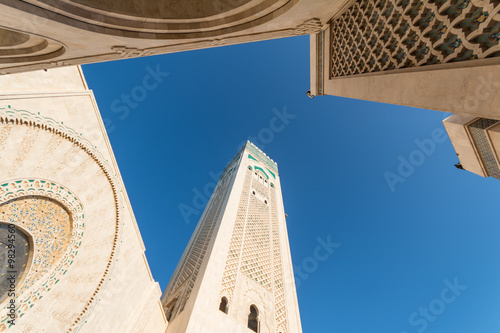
column 256, row 152
column 272, row 173
column 259, row 168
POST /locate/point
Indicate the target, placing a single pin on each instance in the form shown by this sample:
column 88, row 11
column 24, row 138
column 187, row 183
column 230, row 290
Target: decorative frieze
column 383, row 35
column 131, row 52
column 179, row 289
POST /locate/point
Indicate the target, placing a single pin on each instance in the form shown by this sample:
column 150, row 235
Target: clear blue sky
column 399, row 250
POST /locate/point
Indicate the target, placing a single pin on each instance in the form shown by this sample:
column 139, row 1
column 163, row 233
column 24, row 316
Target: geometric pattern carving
column 23, row 117
column 256, row 254
column 383, row 35
column 308, row 27
column 54, row 217
column 279, row 290
column 18, row 117
column 179, row 288
column 130, row 52
column 234, row 255
column 255, row 247
column 477, row 130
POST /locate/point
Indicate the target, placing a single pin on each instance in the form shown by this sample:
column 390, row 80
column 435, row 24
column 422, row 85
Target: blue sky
column 415, row 256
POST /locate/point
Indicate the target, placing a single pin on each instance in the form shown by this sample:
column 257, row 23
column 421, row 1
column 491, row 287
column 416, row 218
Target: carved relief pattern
column 256, row 251
column 26, row 144
column 9, row 117
column 383, row 35
column 185, row 278
column 310, row 26
column 255, row 248
column 234, row 253
column 279, row 290
column 54, row 217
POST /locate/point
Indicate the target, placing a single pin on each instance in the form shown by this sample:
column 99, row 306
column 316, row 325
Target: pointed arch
column 253, row 318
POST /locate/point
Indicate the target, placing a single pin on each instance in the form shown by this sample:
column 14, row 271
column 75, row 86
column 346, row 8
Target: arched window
column 253, row 319
column 223, row 305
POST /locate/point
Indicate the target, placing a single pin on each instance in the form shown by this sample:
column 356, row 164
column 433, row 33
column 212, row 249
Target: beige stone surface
column 463, row 144
column 238, row 224
column 51, row 130
column 469, row 90
column 409, row 67
column 86, row 31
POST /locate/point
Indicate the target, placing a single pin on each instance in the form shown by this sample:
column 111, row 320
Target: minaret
column 236, row 273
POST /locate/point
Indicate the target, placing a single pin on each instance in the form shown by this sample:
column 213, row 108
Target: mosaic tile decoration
column 383, row 35
column 23, row 117
column 262, row 156
column 54, row 217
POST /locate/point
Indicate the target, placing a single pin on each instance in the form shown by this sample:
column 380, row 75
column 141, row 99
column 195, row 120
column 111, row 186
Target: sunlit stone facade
column 433, row 54
column 83, row 266
column 237, row 258
column 477, row 143
column 78, row 256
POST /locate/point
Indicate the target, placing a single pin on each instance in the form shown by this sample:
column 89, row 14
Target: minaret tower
column 236, row 273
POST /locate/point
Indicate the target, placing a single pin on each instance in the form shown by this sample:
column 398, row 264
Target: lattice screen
column 383, row 35
column 279, row 290
column 255, row 248
column 233, row 257
column 479, row 136
column 184, row 280
column 256, row 253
